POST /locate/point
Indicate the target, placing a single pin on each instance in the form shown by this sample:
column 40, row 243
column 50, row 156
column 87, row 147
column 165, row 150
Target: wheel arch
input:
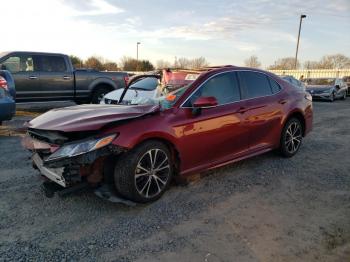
column 101, row 85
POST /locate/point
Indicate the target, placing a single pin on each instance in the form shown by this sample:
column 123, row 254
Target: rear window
column 52, row 64
column 148, row 84
column 256, row 84
column 274, row 86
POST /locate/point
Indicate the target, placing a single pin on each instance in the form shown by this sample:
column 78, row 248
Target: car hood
column 318, row 88
column 88, row 117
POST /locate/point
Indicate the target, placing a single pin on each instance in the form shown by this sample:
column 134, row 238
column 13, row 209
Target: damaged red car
column 227, row 114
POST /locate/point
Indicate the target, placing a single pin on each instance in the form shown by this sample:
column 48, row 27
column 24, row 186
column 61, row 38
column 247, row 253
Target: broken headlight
column 82, row 147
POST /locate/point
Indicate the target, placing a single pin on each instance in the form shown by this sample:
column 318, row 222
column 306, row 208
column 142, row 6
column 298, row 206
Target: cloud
column 92, row 7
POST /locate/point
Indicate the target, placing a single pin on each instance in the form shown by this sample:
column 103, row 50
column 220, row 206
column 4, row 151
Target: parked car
column 7, row 95
column 142, row 87
column 49, row 76
column 225, row 115
column 295, row 82
column 326, row 88
column 346, row 79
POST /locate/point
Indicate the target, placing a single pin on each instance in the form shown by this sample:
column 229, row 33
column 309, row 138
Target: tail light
column 126, row 80
column 3, row 83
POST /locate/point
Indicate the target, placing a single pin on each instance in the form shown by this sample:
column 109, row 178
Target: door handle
column 242, row 110
column 66, row 77
column 33, row 77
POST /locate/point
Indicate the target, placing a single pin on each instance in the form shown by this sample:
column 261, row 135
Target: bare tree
column 311, row 65
column 76, row 61
column 110, row 66
column 286, row 63
column 183, row 63
column 337, row 61
column 199, row 62
column 252, row 61
column 131, row 64
column 195, row 63
column 94, row 62
column 161, row 64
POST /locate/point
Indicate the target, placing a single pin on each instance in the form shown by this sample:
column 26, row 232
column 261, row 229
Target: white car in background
column 144, row 88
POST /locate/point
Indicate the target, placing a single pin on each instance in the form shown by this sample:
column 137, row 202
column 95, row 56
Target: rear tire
column 144, row 173
column 98, row 95
column 291, row 138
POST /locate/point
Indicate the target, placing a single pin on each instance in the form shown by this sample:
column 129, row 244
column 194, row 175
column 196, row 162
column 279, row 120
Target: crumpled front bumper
column 71, row 170
column 53, row 174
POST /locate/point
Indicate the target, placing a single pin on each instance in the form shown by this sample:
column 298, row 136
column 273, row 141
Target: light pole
column 137, row 55
column 296, row 53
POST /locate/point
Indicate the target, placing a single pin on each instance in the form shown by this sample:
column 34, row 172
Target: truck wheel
column 98, row 94
column 144, row 173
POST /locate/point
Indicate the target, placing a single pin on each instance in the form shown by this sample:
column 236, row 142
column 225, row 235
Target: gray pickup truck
column 51, row 77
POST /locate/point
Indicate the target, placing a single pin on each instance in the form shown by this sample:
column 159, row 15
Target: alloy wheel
column 152, row 173
column 293, row 137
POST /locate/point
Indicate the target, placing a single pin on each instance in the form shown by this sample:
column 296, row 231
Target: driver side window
column 224, row 87
column 19, row 63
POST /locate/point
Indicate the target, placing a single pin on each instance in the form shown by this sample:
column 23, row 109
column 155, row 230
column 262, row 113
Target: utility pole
column 296, row 53
column 137, row 55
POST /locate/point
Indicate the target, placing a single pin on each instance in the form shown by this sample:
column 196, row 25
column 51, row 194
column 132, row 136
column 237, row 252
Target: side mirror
column 3, row 67
column 337, row 87
column 205, row 101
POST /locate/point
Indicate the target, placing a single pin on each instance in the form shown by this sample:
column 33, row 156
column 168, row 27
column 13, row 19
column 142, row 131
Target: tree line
column 127, row 63
column 336, row 61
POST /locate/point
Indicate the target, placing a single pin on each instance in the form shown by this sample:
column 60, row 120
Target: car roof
column 29, row 52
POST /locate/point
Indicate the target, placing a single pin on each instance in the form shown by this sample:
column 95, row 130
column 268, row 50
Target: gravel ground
column 263, row 209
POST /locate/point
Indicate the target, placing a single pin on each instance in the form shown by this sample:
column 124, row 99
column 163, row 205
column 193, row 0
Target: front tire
column 332, row 97
column 144, row 173
column 291, row 138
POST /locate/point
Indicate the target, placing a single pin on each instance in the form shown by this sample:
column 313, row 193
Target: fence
column 313, row 73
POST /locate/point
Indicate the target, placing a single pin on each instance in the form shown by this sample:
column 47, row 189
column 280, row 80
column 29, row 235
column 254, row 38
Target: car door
column 215, row 134
column 57, row 83
column 24, row 69
column 263, row 110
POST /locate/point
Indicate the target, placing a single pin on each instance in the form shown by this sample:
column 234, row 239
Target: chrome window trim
column 230, row 71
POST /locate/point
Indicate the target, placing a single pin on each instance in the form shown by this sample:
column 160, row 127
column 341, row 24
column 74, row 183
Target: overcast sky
column 223, row 31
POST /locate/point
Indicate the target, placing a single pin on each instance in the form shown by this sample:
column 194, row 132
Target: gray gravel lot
column 263, row 209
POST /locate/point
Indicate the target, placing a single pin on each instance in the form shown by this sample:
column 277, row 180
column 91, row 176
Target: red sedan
column 225, row 115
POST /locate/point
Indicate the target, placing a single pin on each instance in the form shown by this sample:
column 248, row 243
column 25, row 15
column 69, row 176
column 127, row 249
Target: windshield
column 294, row 82
column 165, row 102
column 321, row 81
column 147, row 84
